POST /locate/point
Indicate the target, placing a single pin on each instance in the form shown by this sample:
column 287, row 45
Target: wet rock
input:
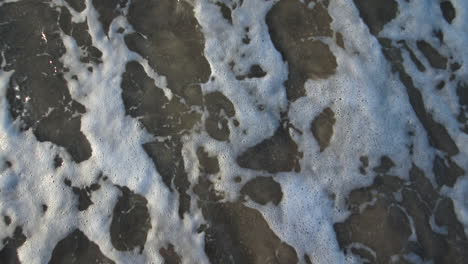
column 173, row 43
column 446, row 172
column 413, row 56
column 208, row 164
column 437, row 133
column 9, row 254
column 376, row 13
column 239, row 234
column 307, row 58
column 382, row 212
column 275, row 154
column 80, row 32
column 462, row 93
column 235, row 233
column 225, row 11
column 385, row 165
column 255, row 71
column 78, row 5
column 147, row 102
column 108, row 10
column 169, row 255
column 423, row 186
column 6, row 220
column 322, row 127
column 76, row 248
column 130, row 221
column 364, row 164
column 205, row 190
column 169, row 162
column 339, row 40
column 84, row 194
column 448, row 11
column 58, row 161
column 37, row 92
column 263, row 190
column 220, row 109
column 432, row 55
column 445, row 216
column 381, row 227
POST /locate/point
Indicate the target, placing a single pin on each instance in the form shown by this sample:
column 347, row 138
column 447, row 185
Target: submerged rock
column 275, row 154
column 173, row 43
column 76, row 248
column 263, row 190
column 9, row 254
column 37, row 93
column 385, row 213
column 169, row 255
column 130, row 221
column 292, row 27
column 322, row 127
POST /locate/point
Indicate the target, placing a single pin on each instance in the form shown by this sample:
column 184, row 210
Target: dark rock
column 58, row 161
column 446, row 173
column 130, row 221
column 239, row 234
column 147, row 102
column 78, row 5
column 382, row 227
column 385, row 165
column 108, row 10
column 275, row 154
column 256, row 71
column 169, row 162
column 263, row 190
column 307, row 58
column 376, row 13
column 76, row 248
column 448, row 11
column 169, row 255
column 39, row 72
column 437, row 133
column 7, row 220
column 171, row 27
column 84, row 194
column 432, row 55
column 322, row 127
column 339, row 40
column 9, row 254
column 225, row 11
column 207, row 163
column 220, row 109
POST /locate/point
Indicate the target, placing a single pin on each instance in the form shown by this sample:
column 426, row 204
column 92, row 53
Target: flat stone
column 130, row 221
column 76, row 248
column 263, row 190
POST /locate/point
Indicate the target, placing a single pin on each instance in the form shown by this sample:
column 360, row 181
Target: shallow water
column 233, row 131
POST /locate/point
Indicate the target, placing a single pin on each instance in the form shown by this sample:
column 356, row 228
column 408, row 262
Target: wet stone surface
column 263, row 190
column 275, row 154
column 385, row 215
column 84, row 194
column 76, row 248
column 32, row 47
column 172, row 28
column 8, row 254
column 130, row 222
column 307, row 57
column 322, row 127
column 169, row 255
